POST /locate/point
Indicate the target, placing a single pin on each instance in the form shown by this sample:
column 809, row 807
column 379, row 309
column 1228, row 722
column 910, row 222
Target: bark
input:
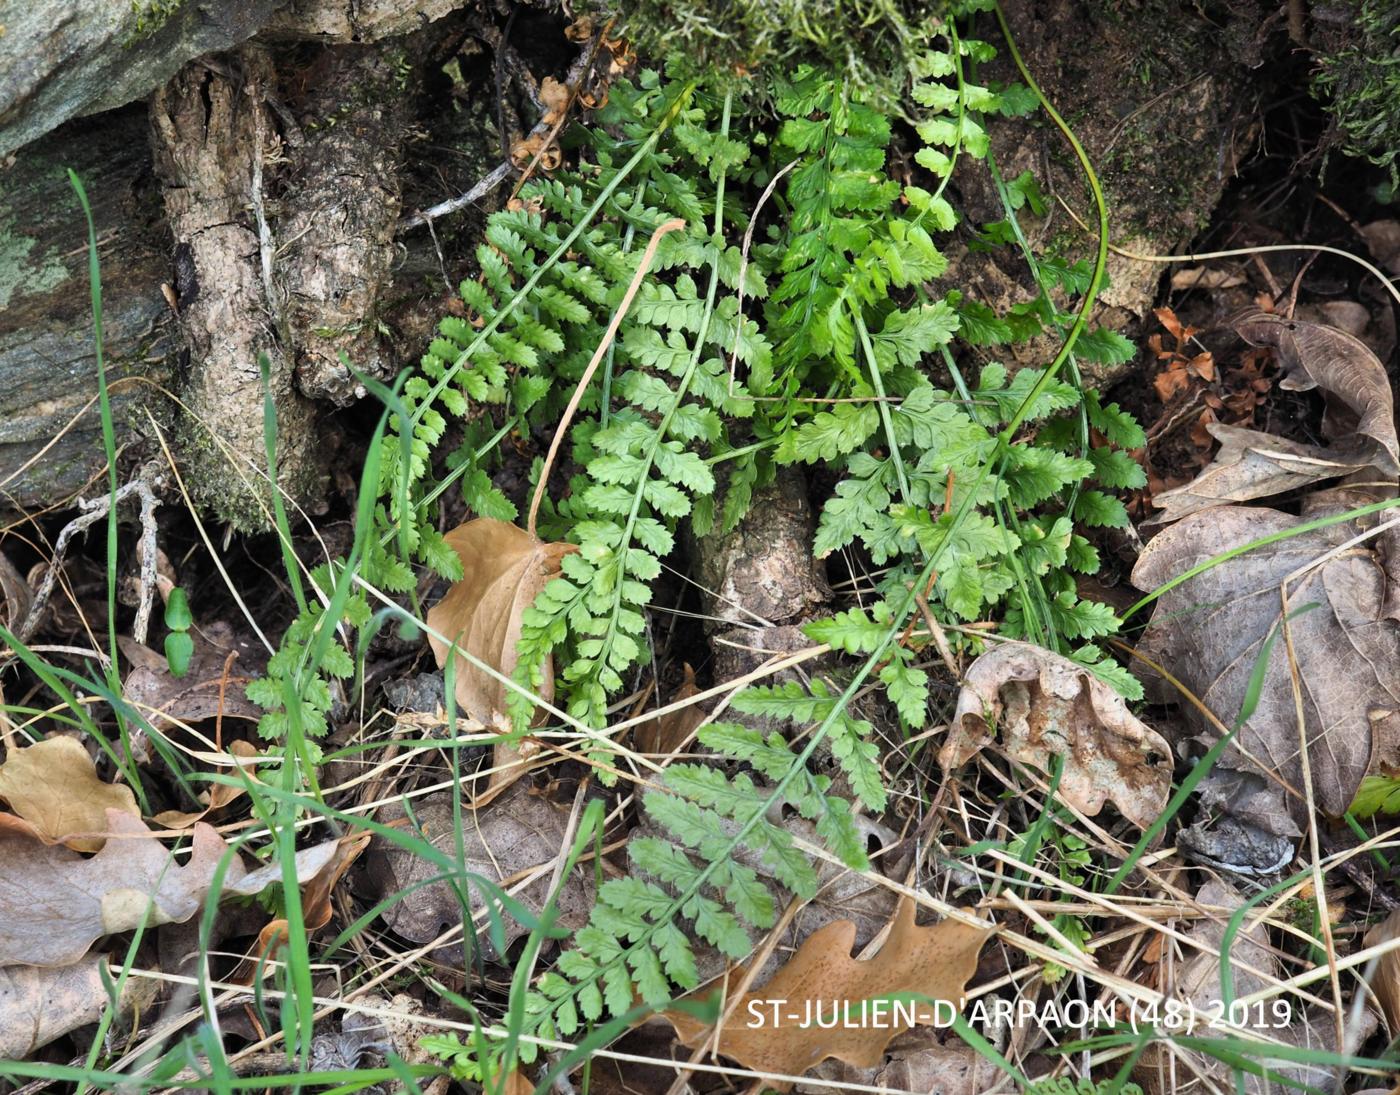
column 48, row 363
column 211, row 135
column 342, row 202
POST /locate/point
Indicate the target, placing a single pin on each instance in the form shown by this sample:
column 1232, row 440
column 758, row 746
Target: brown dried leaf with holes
column 1048, row 706
column 934, row 961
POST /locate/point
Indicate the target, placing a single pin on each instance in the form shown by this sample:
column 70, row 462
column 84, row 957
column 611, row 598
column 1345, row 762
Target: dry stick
column 744, row 266
column 650, row 253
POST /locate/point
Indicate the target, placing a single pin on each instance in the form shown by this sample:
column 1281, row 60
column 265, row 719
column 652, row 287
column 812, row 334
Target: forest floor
column 1169, row 891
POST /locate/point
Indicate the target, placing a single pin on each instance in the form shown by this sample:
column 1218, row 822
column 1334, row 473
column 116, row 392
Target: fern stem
column 1081, row 318
column 883, row 404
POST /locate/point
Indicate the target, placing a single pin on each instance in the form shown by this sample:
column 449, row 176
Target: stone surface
column 48, row 364
column 62, row 59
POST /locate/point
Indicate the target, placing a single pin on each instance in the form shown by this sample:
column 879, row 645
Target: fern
column 633, row 945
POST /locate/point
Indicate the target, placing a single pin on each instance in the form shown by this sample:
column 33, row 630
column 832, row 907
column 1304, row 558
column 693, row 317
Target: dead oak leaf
column 39, row 1005
column 54, row 786
column 503, row 570
column 1047, row 706
column 934, row 961
column 1211, row 629
column 55, row 903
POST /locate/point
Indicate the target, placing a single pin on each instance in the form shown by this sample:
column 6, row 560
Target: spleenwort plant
column 822, row 334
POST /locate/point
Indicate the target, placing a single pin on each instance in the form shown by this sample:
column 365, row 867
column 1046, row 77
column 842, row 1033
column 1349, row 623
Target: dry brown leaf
column 55, row 903
column 1250, row 465
column 1360, row 418
column 936, row 961
column 1359, row 423
column 39, row 1005
column 315, row 904
column 211, row 685
column 54, row 786
column 1210, row 630
column 218, row 796
column 1386, row 981
column 663, row 735
column 503, row 570
column 554, row 97
column 925, row 1059
column 1383, row 241
column 524, row 151
column 1048, row 705
column 1253, row 969
column 518, row 831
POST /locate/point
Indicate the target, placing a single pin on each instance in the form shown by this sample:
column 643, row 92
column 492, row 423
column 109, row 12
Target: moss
column 148, row 18
column 873, row 41
column 1359, row 73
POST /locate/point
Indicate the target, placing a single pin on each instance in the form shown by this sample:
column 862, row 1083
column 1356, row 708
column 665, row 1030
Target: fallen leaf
column 924, row 1059
column 218, row 796
column 1250, row 465
column 520, row 830
column 1047, row 706
column 1253, row 968
column 55, row 903
column 1385, row 982
column 554, row 97
column 1209, row 632
column 1359, row 422
column 934, row 961
column 524, row 151
column 315, row 904
column 1383, row 241
column 664, row 734
column 1360, row 416
column 212, row 685
column 503, row 570
column 39, row 1005
column 54, row 786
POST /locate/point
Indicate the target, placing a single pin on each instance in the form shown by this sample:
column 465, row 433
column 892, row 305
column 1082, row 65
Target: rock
column 62, row 59
column 355, row 20
column 48, row 364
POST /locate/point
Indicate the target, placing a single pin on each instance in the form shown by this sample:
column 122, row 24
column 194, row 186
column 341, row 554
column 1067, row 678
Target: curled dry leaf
column 219, row 795
column 39, row 1005
column 1047, row 706
column 1385, row 983
column 1210, row 630
column 936, row 961
column 503, row 570
column 55, row 903
column 1360, row 417
column 1360, row 422
column 554, row 97
column 53, row 785
column 517, row 832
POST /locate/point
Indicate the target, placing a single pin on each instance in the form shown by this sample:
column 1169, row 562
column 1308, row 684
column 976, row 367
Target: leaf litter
column 1210, row 629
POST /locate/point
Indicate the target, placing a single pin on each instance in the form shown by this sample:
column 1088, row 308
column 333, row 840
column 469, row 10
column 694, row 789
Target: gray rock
column 62, row 59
